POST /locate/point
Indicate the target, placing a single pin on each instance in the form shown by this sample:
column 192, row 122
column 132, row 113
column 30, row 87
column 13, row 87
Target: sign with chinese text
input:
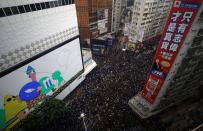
column 177, row 26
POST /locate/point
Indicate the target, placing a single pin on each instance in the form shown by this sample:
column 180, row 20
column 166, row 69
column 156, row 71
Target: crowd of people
column 100, row 102
column 105, row 93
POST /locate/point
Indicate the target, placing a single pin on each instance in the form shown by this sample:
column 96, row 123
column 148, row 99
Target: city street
column 104, row 95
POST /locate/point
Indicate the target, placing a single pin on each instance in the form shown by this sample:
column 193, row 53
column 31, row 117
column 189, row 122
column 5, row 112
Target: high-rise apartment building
column 149, row 17
column 94, row 18
column 122, row 14
column 116, row 12
column 177, row 71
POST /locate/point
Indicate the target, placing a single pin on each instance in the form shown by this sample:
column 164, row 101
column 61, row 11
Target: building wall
column 84, row 33
column 82, row 12
column 122, row 15
column 82, row 7
column 150, row 16
column 117, row 6
column 97, row 5
column 87, row 16
column 28, row 28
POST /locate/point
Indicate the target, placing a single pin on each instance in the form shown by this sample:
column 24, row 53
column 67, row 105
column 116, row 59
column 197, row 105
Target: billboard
column 39, row 53
column 178, row 24
column 102, row 16
column 98, row 46
column 126, row 18
column 25, row 87
column 140, row 34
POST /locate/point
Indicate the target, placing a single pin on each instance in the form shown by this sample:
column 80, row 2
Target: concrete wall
column 24, row 35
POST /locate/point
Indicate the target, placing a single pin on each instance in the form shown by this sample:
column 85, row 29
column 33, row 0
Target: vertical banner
column 180, row 19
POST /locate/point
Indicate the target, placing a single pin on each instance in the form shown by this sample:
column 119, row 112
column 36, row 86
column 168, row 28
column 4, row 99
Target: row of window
column 14, row 10
column 151, row 3
column 137, row 3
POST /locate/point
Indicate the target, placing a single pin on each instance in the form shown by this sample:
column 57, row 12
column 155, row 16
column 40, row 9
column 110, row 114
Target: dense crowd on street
column 104, row 95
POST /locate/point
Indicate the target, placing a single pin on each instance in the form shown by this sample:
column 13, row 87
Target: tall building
column 122, row 14
column 116, row 12
column 94, row 18
column 177, row 71
column 149, row 17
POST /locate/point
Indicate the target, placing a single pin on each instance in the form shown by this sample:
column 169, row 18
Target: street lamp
column 82, row 115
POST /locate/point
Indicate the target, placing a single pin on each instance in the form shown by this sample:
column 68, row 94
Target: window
column 70, row 1
column 1, row 13
column 33, row 8
column 21, row 9
column 15, row 10
column 154, row 3
column 38, row 6
column 43, row 5
column 66, row 2
column 56, row 3
column 201, row 15
column 47, row 5
column 7, row 11
column 51, row 4
column 27, row 8
column 63, row 2
column 60, row 3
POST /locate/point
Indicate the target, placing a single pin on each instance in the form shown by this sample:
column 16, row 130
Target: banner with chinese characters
column 180, row 19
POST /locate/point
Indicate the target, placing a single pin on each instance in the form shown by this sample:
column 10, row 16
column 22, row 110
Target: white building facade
column 149, row 17
column 116, row 14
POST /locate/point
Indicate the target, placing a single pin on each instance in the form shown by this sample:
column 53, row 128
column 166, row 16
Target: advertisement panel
column 126, row 29
column 140, row 35
column 102, row 26
column 25, row 87
column 102, row 16
column 178, row 24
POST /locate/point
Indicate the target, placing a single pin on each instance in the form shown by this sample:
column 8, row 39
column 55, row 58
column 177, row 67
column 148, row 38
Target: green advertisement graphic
column 57, row 76
column 2, row 118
